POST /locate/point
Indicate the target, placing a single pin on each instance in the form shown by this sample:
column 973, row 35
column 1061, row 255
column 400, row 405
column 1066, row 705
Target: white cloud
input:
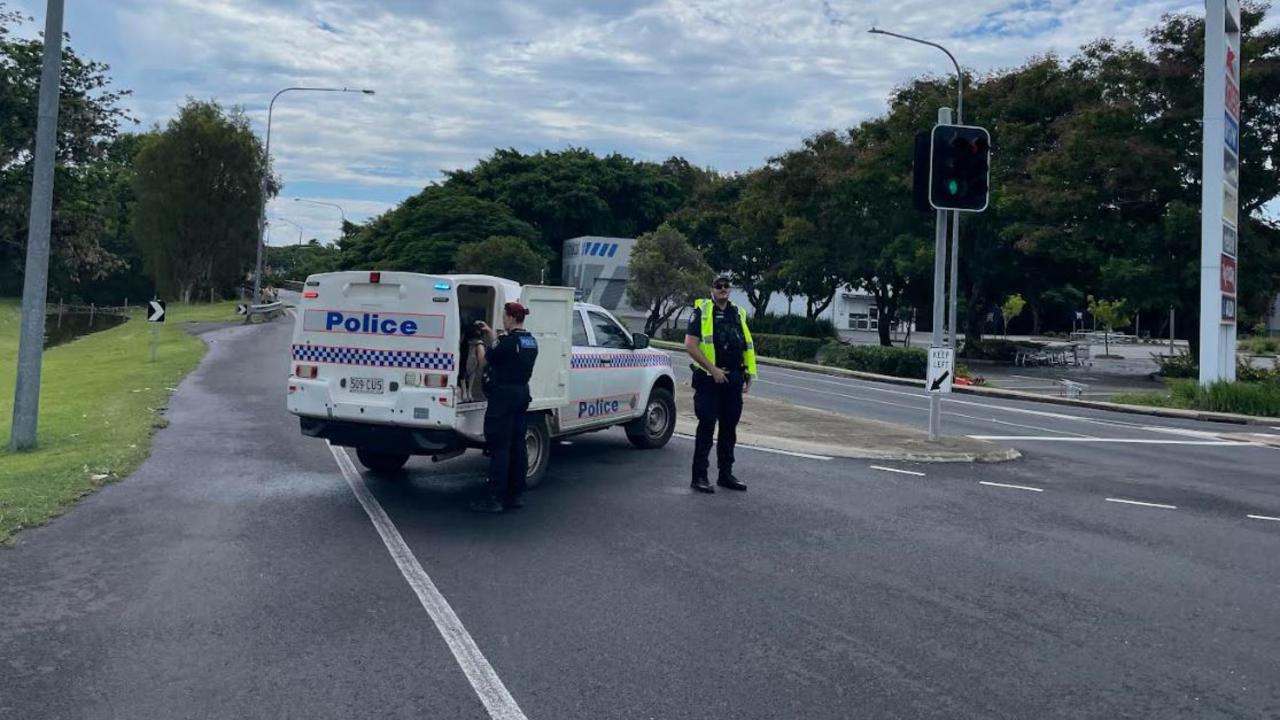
column 725, row 83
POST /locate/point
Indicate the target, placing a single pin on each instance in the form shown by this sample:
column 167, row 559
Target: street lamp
column 935, row 412
column 319, row 202
column 266, row 173
column 287, row 220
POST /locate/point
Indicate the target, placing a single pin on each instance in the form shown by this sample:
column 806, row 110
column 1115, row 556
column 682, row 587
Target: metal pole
column 939, row 297
column 952, row 302
column 35, row 286
column 266, row 177
column 1171, row 317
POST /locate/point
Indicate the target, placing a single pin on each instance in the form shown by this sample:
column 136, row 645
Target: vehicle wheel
column 653, row 429
column 380, row 462
column 537, row 442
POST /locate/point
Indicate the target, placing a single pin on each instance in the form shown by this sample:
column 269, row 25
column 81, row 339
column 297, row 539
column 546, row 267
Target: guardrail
column 255, row 314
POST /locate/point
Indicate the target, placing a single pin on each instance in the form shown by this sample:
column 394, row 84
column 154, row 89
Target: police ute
column 379, row 363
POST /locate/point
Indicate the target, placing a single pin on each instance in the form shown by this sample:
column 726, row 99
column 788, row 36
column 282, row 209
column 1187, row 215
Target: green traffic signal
column 959, row 168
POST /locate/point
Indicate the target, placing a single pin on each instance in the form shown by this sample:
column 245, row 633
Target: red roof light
column 375, row 277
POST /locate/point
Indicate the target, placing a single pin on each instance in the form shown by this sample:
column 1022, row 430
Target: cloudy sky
column 724, row 83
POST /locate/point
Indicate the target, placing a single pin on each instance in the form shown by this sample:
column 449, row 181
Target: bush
column 786, row 347
column 995, row 350
column 1261, row 345
column 792, row 325
column 1182, row 365
column 1241, row 398
column 895, row 361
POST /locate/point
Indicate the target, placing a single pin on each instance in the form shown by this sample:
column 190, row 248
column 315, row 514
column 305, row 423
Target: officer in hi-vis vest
column 724, row 357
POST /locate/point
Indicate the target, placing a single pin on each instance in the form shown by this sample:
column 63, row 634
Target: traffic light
column 960, row 168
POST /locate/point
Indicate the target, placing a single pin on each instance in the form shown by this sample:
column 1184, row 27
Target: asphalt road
column 238, row 574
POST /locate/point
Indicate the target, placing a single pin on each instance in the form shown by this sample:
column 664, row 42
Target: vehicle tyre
column 654, row 428
column 380, row 462
column 537, row 441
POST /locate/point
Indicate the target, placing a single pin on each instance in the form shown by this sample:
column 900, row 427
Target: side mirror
column 639, row 341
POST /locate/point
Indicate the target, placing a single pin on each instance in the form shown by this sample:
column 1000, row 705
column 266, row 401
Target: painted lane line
column 1143, row 504
column 792, row 453
column 1012, row 487
column 896, row 470
column 493, row 694
column 1118, row 441
column 1263, row 517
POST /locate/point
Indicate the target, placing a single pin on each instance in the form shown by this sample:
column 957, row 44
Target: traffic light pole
column 939, row 297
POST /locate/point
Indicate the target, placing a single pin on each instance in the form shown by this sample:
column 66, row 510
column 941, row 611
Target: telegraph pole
column 26, row 397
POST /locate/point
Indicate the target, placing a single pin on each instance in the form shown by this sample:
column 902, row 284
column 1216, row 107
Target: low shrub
column 895, row 361
column 1182, row 365
column 1241, row 398
column 1261, row 345
column 786, row 347
column 995, row 349
column 792, row 325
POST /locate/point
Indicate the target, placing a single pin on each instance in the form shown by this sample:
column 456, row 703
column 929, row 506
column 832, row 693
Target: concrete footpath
column 781, row 425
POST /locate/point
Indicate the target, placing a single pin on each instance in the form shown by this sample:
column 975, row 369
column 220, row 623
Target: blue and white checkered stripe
column 590, row 361
column 374, row 358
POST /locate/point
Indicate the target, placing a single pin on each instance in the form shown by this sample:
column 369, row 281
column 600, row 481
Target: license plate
column 369, row 386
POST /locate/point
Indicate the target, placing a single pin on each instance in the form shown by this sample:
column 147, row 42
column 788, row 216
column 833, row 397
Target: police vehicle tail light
column 412, row 379
column 310, row 295
column 435, row 380
column 306, row 371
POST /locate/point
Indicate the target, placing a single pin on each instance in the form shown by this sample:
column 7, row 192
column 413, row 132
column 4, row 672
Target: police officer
column 508, row 367
column 719, row 343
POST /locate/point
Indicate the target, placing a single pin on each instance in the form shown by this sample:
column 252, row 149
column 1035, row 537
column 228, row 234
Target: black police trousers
column 504, row 431
column 716, row 404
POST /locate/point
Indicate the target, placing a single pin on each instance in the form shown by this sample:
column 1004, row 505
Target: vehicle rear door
column 550, row 322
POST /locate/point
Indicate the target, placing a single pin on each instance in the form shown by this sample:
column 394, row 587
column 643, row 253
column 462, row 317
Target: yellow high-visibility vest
column 707, row 342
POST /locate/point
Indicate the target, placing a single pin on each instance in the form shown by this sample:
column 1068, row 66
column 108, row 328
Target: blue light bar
column 442, row 286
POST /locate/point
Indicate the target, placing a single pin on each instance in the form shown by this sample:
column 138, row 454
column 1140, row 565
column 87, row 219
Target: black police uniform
column 510, row 365
column 719, row 402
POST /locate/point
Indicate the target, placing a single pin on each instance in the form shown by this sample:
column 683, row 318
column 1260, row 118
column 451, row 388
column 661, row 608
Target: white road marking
column 1119, row 441
column 1263, row 517
column 493, row 694
column 792, row 453
column 1143, row 504
column 1006, row 485
column 896, row 470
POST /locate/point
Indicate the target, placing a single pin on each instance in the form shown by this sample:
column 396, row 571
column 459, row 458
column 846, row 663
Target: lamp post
column 935, row 412
column 287, row 220
column 329, row 204
column 266, row 173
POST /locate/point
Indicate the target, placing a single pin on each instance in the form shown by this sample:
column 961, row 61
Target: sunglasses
column 721, row 286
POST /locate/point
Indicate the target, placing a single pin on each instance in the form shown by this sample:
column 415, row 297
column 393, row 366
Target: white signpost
column 1219, row 201
column 941, row 369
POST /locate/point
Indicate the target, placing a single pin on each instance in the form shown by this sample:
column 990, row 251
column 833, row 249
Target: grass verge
column 100, row 401
column 1242, row 398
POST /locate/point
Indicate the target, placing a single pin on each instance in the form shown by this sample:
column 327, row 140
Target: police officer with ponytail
column 724, row 363
column 508, row 367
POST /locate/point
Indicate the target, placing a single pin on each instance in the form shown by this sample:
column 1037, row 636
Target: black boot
column 727, row 480
column 702, row 484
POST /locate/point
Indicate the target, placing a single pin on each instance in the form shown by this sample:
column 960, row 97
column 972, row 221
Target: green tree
column 83, row 230
column 1011, row 308
column 667, row 274
column 198, row 187
column 1112, row 314
column 503, row 256
column 424, row 232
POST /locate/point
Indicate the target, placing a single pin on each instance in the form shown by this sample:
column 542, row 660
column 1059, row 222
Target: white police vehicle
column 377, row 361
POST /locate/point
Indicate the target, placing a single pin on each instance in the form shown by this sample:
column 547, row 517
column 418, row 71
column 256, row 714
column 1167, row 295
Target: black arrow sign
column 937, row 384
column 242, row 309
column 155, row 311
